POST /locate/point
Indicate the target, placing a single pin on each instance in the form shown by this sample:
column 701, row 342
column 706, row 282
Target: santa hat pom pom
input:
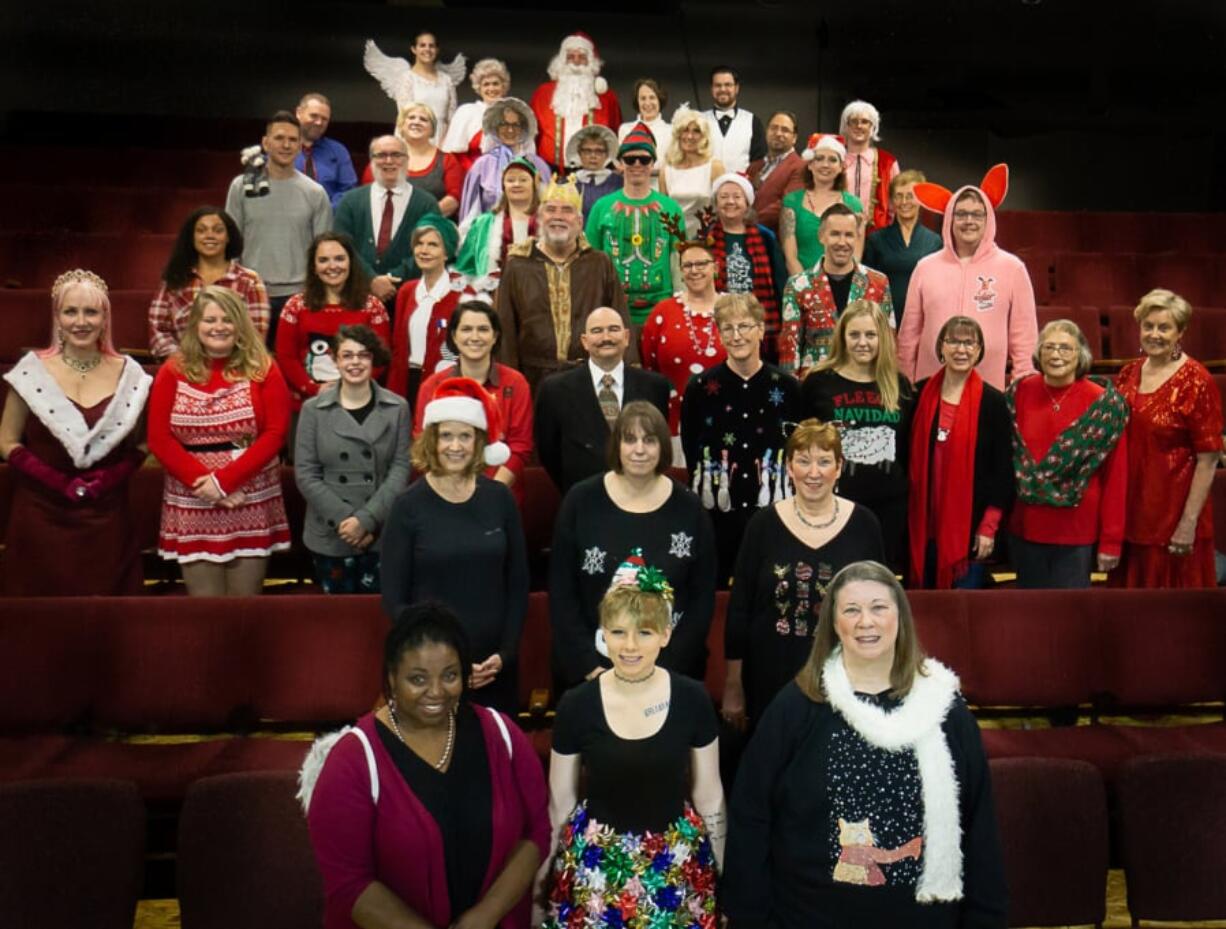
column 601, row 85
column 497, row 453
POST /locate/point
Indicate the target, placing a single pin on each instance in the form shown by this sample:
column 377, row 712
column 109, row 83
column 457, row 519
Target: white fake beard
column 575, row 94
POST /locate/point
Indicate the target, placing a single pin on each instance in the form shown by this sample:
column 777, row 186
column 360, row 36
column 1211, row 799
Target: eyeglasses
column 388, row 156
column 1052, row 348
column 509, row 125
column 963, row 215
column 740, row 329
column 355, row 356
column 696, row 265
column 593, row 150
column 638, row 160
column 961, row 343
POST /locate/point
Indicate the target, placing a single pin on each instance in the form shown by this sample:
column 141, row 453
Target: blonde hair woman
column 218, row 416
column 859, row 389
column 689, row 170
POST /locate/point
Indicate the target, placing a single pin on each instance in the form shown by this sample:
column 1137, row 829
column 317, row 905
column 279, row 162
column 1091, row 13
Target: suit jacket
column 571, row 432
column 353, row 218
column 345, row 468
column 768, row 197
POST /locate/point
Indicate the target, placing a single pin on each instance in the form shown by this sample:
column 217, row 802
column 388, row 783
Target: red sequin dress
column 187, row 425
column 679, row 345
column 1166, row 431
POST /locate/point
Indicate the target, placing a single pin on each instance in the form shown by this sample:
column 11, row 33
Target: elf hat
column 820, row 140
column 740, row 180
column 638, row 139
column 463, row 400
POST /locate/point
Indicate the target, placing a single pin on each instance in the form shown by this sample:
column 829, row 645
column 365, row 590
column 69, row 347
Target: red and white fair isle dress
column 679, row 344
column 188, row 426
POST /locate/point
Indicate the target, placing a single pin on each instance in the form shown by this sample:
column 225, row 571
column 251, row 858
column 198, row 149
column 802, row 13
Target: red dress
column 56, row 547
column 510, row 391
column 186, row 424
column 679, row 345
column 1166, row 431
column 304, row 336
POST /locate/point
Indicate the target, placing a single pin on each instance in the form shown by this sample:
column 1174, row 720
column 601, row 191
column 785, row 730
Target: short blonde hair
column 728, row 306
column 681, row 119
column 417, row 107
column 1085, row 357
column 646, row 609
column 1162, row 299
column 903, row 178
column 424, row 454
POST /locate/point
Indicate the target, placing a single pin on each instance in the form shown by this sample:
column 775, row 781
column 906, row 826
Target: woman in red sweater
column 218, row 414
column 1070, row 460
column 337, row 294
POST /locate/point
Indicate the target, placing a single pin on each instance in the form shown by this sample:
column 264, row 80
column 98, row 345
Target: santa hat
column 582, row 40
column 463, row 400
column 827, row 140
column 740, row 180
column 638, row 139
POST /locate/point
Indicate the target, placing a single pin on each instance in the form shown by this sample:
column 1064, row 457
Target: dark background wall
column 1095, row 106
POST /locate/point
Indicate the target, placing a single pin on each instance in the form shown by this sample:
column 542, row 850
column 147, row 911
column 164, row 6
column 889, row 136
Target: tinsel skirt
column 650, row 880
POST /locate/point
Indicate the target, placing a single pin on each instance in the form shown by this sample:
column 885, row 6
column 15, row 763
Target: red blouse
column 1100, row 515
column 1166, row 431
column 679, row 346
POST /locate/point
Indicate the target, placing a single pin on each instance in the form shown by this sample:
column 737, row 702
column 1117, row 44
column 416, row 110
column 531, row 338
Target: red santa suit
column 554, row 128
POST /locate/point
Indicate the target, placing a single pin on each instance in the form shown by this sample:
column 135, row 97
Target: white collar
column 399, row 190
column 598, row 373
column 441, row 288
column 46, row 400
column 728, row 111
column 915, row 726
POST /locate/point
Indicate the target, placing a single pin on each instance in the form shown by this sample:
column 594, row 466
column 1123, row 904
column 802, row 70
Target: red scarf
column 953, row 539
column 763, row 274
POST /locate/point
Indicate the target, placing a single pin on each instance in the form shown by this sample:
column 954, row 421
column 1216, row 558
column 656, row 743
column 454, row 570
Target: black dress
column 875, row 444
column 778, row 589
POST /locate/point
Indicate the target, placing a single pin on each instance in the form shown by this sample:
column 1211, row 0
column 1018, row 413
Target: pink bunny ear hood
column 991, row 190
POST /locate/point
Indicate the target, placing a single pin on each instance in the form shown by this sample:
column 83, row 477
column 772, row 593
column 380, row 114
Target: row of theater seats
column 541, row 502
column 244, row 859
column 88, row 690
column 79, row 770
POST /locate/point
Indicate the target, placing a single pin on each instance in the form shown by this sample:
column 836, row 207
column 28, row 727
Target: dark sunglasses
column 638, row 160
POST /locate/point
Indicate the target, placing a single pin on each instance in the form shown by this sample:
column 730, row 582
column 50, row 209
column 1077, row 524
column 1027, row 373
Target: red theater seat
column 1039, row 265
column 123, row 261
column 1096, row 279
column 1086, row 318
column 1189, row 275
column 1051, row 231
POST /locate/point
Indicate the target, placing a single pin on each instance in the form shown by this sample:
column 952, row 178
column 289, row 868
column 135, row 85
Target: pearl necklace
column 826, row 525
column 442, row 762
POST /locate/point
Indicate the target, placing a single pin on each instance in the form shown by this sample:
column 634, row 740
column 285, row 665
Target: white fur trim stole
column 63, row 420
column 915, row 725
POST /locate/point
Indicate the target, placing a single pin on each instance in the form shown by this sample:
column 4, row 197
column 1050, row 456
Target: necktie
column 308, row 164
column 724, row 122
column 385, row 227
column 608, row 400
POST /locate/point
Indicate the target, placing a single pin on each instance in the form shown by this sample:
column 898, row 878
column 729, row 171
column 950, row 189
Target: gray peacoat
column 345, row 469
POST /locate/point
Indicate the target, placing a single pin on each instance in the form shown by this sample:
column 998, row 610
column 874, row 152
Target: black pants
column 1045, row 566
column 274, row 317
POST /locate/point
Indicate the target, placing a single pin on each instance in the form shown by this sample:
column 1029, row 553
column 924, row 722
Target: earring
column 1177, row 351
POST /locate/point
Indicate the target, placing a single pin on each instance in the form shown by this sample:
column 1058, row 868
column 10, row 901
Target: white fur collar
column 63, row 420
column 915, row 725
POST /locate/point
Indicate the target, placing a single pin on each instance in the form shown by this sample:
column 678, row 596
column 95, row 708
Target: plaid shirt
column 169, row 309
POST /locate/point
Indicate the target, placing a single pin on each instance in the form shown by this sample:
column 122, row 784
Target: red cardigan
column 436, row 331
column 397, row 842
column 510, row 390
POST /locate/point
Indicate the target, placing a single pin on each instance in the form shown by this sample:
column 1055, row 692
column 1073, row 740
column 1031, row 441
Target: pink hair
column 98, row 298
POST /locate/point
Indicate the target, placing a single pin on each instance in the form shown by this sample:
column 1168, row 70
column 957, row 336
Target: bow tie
column 725, row 120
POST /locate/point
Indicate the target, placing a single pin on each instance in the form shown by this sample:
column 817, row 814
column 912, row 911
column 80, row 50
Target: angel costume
column 404, row 85
column 74, row 544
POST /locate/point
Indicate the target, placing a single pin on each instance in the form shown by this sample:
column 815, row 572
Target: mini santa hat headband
column 463, row 400
column 635, row 572
column 824, row 140
column 994, row 186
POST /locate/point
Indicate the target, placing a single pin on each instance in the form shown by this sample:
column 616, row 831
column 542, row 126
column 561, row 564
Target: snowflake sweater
column 592, row 537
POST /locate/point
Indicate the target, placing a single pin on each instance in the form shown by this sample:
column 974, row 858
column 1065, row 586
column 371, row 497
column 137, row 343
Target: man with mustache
column 575, row 408
column 813, row 299
column 576, row 97
column 550, row 284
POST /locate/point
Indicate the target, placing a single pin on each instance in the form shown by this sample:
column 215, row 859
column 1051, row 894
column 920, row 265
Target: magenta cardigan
column 397, row 842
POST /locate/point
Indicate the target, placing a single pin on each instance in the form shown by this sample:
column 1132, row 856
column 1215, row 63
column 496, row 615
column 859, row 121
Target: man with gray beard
column 549, row 286
column 576, row 97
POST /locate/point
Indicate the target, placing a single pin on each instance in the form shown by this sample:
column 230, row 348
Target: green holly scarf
column 1061, row 476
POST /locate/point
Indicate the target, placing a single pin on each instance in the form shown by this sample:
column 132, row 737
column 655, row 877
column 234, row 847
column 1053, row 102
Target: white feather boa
column 63, row 420
column 915, row 726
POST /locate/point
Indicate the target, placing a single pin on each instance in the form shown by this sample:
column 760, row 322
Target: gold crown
column 73, row 277
column 565, row 191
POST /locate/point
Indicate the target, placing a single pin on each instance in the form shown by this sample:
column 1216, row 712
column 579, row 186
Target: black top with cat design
column 635, row 785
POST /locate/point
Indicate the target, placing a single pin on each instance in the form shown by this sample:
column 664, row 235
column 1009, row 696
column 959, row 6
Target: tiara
column 76, row 276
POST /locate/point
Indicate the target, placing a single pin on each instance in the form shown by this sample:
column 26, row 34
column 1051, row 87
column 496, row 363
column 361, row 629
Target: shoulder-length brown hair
column 639, row 414
column 908, row 653
column 249, row 359
column 356, row 289
column 424, row 453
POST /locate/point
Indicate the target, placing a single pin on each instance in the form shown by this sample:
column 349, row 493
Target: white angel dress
column 400, row 82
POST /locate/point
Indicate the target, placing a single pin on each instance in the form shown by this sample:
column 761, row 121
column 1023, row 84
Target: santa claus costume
column 576, row 97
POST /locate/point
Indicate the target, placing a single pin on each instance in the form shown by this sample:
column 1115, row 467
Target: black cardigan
column 993, row 483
